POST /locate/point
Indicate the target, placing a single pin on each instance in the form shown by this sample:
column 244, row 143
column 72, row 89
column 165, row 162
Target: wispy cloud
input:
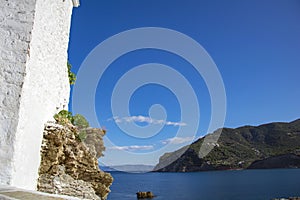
column 145, row 119
column 177, row 140
column 132, row 147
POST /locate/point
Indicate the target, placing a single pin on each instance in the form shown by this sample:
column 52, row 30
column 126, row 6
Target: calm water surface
column 216, row 185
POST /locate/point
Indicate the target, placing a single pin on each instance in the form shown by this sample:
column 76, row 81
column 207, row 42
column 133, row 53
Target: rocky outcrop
column 94, row 140
column 144, row 195
column 69, row 166
column 62, row 183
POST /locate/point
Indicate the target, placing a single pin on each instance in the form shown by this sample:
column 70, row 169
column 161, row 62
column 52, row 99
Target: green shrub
column 63, row 117
column 80, row 121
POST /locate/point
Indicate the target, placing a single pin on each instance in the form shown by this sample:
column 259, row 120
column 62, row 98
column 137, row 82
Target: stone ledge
column 11, row 193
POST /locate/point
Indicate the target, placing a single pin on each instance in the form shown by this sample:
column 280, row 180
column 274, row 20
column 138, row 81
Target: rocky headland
column 274, row 145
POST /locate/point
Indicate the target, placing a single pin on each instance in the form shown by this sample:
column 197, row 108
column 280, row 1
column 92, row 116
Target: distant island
column 274, row 145
column 128, row 168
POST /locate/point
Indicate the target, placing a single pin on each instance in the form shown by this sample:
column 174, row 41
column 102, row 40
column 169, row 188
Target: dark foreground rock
column 69, row 166
column 144, row 195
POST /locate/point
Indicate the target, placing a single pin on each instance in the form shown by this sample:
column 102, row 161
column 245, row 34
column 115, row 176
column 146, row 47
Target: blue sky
column 254, row 44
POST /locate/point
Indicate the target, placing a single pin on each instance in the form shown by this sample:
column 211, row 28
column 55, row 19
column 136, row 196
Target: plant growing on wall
column 63, row 117
column 72, row 76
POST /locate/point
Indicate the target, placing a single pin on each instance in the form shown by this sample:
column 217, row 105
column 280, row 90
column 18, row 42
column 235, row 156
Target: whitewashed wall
column 34, row 83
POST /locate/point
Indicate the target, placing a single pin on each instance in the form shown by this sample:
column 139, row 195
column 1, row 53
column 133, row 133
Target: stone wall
column 34, row 84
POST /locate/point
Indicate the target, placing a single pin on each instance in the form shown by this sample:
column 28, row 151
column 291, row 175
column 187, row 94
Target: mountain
column 106, row 168
column 274, row 145
column 128, row 168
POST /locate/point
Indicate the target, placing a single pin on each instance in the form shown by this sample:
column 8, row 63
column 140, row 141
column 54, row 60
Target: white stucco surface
column 34, row 83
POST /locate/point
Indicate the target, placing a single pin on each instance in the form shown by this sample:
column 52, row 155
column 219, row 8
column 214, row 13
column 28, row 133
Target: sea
column 211, row 185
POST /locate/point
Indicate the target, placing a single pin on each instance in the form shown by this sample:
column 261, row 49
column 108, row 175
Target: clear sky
column 254, row 44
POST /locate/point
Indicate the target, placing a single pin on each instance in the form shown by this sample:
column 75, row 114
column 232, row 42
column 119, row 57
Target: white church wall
column 34, row 83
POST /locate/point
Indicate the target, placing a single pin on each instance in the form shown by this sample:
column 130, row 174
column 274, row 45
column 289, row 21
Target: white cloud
column 132, row 147
column 177, row 140
column 145, row 119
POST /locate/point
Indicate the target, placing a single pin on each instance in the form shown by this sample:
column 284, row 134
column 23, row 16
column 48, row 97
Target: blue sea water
column 213, row 185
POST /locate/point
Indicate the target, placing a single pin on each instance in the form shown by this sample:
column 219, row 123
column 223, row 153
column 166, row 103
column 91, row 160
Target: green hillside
column 240, row 148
